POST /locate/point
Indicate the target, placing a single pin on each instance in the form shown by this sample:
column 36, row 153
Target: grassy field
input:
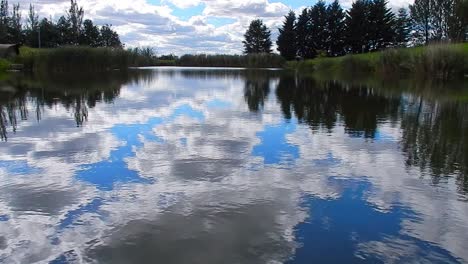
column 440, row 61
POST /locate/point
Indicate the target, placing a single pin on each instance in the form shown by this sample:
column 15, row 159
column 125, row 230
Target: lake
column 172, row 165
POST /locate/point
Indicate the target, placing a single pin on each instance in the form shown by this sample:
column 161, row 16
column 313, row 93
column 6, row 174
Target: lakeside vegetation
column 438, row 62
column 369, row 38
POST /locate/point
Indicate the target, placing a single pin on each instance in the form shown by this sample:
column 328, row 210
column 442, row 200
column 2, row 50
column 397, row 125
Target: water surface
column 194, row 165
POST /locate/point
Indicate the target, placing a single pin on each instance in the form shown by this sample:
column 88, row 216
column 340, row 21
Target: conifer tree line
column 69, row 29
column 369, row 25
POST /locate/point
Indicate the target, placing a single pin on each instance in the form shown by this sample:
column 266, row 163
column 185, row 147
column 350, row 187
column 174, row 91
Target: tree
column 318, row 30
column 336, row 29
column 64, row 29
column 402, row 28
column 90, row 35
column 458, row 21
column 357, row 27
column 75, row 17
column 305, row 45
column 287, row 37
column 381, row 21
column 4, row 21
column 32, row 34
column 15, row 27
column 50, row 36
column 109, row 38
column 257, row 38
column 420, row 13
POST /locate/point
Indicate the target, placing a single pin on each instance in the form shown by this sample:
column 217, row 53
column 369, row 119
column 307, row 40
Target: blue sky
column 183, row 26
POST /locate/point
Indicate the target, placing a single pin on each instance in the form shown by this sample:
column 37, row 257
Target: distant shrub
column 248, row 61
column 4, row 65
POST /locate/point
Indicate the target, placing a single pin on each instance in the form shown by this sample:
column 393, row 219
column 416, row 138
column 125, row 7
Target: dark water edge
column 192, row 165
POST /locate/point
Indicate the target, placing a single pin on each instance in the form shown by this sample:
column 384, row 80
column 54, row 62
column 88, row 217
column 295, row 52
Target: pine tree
column 336, row 29
column 381, row 25
column 318, row 31
column 357, row 27
column 305, row 45
column 257, row 38
column 287, row 37
column 402, row 28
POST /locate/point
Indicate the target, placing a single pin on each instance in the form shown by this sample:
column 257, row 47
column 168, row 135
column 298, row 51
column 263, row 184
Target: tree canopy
column 257, row 38
column 69, row 29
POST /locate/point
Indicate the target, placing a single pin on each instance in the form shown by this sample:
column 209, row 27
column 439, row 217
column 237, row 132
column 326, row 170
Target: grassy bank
column 437, row 62
column 78, row 58
column 83, row 59
column 244, row 61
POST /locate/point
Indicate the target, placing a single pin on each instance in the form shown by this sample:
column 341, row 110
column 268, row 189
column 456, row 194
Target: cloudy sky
column 183, row 26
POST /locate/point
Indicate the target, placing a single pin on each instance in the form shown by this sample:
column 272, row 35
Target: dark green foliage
column 305, row 44
column 262, row 60
column 4, row 20
column 357, row 24
column 257, row 38
column 287, row 37
column 421, row 20
column 381, row 25
column 318, row 30
column 49, row 34
column 109, row 38
column 336, row 29
column 90, row 35
column 402, row 28
column 68, row 30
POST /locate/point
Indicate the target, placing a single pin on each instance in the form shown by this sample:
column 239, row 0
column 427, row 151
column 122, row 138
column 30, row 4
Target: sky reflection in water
column 231, row 166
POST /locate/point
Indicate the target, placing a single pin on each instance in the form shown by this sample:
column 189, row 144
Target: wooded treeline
column 69, row 29
column 369, row 25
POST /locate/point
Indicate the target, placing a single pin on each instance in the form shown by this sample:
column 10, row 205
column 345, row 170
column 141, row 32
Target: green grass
column 4, row 65
column 440, row 61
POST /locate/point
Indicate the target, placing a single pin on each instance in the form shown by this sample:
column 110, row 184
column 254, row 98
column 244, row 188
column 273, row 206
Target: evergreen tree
column 357, row 27
column 287, row 37
column 336, row 29
column 420, row 13
column 402, row 28
column 257, row 38
column 305, row 45
column 318, row 31
column 381, row 22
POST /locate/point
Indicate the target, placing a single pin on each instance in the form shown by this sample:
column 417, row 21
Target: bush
column 4, row 65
